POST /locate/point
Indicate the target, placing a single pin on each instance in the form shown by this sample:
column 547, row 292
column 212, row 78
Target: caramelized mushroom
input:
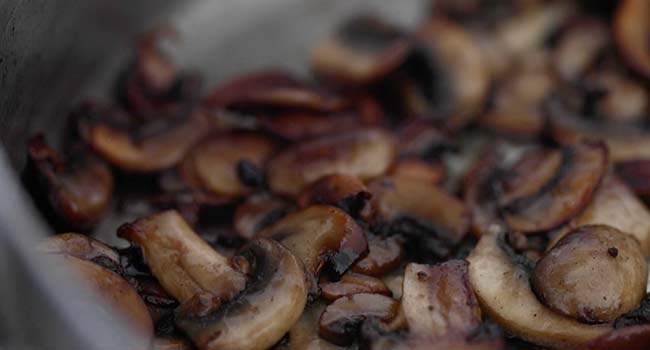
column 594, row 274
column 631, row 28
column 565, row 194
column 298, row 126
column 363, row 50
column 341, row 320
column 257, row 318
column 213, row 164
column 344, row 191
column 165, row 343
column 579, row 47
column 144, row 154
column 258, row 212
column 438, row 300
column 500, row 279
column 364, row 154
column 420, row 210
column 353, row 283
column 184, row 263
column 82, row 247
column 304, row 334
column 79, row 189
column 320, row 235
column 419, row 170
column 384, row 255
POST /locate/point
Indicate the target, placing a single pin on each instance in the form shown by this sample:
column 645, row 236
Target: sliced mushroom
column 258, row 212
column 363, row 50
column 500, row 282
column 438, row 300
column 341, row 320
column 144, row 154
column 629, row 338
column 594, row 274
column 453, row 53
column 213, row 164
column 320, row 235
column 82, row 247
column 304, row 334
column 615, row 205
column 353, row 283
column 344, row 191
column 384, row 255
column 419, row 209
column 298, row 126
column 631, row 28
column 184, row 263
column 364, row 154
column 272, row 89
column 579, row 46
column 481, row 190
column 165, row 343
column 118, row 295
column 257, row 318
column 78, row 188
column 565, row 195
column 418, row 169
column 422, row 138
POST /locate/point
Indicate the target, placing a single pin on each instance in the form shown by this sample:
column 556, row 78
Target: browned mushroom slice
column 384, row 255
column 565, row 195
column 636, row 174
column 304, row 334
column 215, row 163
column 297, row 126
column 82, row 247
column 273, row 300
column 272, row 89
column 420, row 209
column 529, row 174
column 344, row 191
column 481, row 191
column 459, row 59
column 363, row 50
column 341, row 320
column 320, row 235
column 363, row 153
column 258, row 212
column 118, row 295
column 78, row 189
column 184, row 263
column 421, row 138
column 629, row 338
column 353, row 283
column 579, row 47
column 608, row 261
column 420, row 170
column 615, row 205
column 144, row 154
column 631, row 28
column 438, row 300
column 501, row 282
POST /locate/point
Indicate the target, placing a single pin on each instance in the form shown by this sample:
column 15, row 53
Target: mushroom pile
column 479, row 182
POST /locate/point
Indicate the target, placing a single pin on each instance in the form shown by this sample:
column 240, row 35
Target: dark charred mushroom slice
column 82, row 247
column 113, row 289
column 384, row 255
column 435, row 219
column 363, row 50
column 272, row 89
column 258, row 212
column 149, row 153
column 79, row 189
column 353, row 283
column 631, row 28
column 615, row 205
column 565, row 195
column 184, row 263
column 503, row 290
column 364, row 154
column 341, row 320
column 438, row 300
column 629, row 338
column 215, row 164
column 298, row 126
column 344, row 191
column 594, row 274
column 257, row 318
column 320, row 235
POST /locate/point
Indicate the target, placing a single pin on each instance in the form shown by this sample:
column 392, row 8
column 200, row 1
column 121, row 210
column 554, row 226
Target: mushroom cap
column 262, row 313
column 594, row 274
column 503, row 290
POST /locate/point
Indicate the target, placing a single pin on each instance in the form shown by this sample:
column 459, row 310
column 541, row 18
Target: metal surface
column 54, row 53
